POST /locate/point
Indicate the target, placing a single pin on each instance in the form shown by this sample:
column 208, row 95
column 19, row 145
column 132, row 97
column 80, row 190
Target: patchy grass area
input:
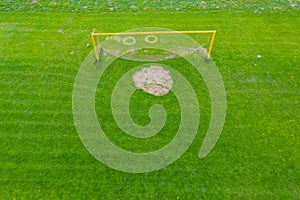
column 257, row 156
column 134, row 6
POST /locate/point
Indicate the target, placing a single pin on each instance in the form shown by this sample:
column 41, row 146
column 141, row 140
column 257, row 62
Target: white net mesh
column 145, row 46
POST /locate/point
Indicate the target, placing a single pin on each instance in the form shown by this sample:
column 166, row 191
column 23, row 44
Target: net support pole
column 95, row 45
column 211, row 44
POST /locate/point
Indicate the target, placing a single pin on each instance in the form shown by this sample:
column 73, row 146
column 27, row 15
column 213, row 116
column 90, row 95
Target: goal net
column 153, row 44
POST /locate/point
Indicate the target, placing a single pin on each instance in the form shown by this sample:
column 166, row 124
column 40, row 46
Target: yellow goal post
column 96, row 43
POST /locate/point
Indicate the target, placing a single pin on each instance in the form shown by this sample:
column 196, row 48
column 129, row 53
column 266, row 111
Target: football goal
column 153, row 45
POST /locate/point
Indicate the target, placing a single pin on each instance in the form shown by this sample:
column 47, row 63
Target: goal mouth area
column 127, row 45
column 152, row 54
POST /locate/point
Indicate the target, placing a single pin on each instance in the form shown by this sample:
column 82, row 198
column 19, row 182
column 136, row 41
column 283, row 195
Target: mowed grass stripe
column 256, row 156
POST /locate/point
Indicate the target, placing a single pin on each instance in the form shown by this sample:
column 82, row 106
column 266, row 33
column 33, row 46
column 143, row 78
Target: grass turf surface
column 257, row 156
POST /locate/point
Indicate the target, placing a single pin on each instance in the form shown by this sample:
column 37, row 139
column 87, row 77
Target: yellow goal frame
column 95, row 34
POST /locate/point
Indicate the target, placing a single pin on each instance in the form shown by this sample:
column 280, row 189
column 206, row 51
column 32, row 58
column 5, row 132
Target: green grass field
column 42, row 156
